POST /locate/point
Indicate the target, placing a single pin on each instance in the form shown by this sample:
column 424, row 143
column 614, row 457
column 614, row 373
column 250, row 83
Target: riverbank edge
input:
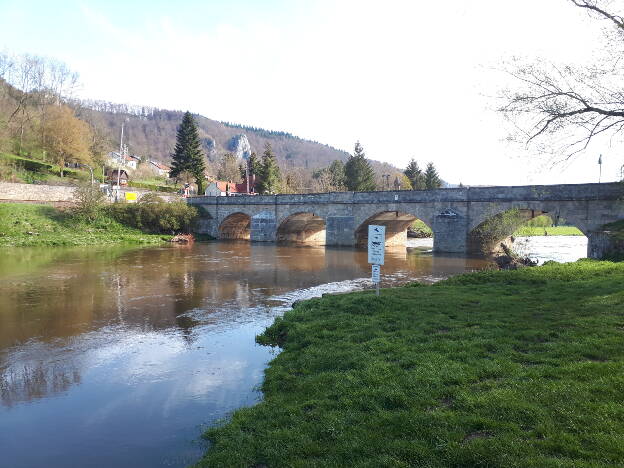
column 40, row 225
column 491, row 368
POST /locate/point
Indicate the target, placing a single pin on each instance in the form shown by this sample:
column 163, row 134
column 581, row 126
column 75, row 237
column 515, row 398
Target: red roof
column 161, row 166
column 233, row 188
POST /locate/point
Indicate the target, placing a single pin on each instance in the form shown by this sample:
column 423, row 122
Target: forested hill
column 152, row 132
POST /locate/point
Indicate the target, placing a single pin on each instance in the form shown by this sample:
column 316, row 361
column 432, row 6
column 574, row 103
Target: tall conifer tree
column 359, row 175
column 415, row 175
column 432, row 179
column 270, row 177
column 188, row 155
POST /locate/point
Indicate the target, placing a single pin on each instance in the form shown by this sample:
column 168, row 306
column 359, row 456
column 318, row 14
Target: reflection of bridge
column 453, row 214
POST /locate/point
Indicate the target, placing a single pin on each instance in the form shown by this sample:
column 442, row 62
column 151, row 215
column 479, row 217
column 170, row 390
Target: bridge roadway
column 455, row 215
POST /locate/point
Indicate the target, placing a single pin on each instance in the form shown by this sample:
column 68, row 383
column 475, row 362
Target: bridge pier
column 263, row 227
column 450, row 232
column 601, row 244
column 340, row 230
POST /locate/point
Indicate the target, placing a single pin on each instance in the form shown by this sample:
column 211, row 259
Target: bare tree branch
column 564, row 108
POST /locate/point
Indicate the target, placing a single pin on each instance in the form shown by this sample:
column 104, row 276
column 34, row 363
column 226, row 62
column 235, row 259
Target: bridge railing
column 606, row 191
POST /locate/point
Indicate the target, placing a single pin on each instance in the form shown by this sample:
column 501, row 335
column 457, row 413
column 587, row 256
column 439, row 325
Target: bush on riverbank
column 41, row 225
column 153, row 214
column 419, row 230
column 496, row 368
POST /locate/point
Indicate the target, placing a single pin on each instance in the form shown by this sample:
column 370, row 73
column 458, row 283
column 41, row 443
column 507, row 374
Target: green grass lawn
column 41, row 225
column 492, row 369
column 551, row 231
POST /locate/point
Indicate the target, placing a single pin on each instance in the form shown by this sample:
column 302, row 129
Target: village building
column 115, row 159
column 220, row 188
column 113, row 175
column 160, row 168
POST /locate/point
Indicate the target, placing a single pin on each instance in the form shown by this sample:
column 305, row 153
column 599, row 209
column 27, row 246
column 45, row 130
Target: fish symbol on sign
column 377, row 243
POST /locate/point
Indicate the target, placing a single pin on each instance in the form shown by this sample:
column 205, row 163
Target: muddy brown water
column 122, row 356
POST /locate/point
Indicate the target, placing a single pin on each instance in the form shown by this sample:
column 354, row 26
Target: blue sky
column 406, row 78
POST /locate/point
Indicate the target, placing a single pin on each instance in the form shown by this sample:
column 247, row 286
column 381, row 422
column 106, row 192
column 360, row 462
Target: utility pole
column 247, row 174
column 121, row 148
column 600, row 170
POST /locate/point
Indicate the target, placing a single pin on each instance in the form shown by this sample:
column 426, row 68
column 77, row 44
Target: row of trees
column 34, row 117
column 358, row 175
column 428, row 179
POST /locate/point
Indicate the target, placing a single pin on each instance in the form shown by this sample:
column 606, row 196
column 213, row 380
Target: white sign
column 376, row 244
column 376, row 276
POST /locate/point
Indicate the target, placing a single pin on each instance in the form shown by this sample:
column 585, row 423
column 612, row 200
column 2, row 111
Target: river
column 122, row 356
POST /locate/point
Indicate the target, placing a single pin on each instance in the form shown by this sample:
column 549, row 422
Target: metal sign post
column 376, row 251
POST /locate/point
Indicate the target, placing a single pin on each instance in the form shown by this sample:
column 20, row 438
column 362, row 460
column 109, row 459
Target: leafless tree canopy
column 562, row 108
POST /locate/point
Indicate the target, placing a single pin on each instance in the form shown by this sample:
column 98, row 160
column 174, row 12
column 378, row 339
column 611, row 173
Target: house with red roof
column 160, row 168
column 220, row 188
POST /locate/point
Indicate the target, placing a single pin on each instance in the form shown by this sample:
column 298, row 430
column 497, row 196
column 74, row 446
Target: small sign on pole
column 376, row 244
column 376, row 276
column 376, row 251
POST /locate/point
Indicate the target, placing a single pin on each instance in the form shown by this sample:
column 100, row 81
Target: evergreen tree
column 415, row 175
column 255, row 165
column 187, row 155
column 270, row 177
column 336, row 172
column 432, row 179
column 359, row 175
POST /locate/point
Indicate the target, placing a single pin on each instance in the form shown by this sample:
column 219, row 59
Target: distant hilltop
column 151, row 132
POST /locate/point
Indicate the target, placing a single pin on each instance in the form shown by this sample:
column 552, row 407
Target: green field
column 492, row 369
column 41, row 225
column 548, row 231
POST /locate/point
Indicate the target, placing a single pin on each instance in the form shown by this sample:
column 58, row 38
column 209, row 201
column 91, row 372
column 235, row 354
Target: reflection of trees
column 31, row 381
column 156, row 289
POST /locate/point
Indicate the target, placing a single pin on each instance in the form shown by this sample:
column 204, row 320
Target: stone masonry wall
column 11, row 192
column 35, row 193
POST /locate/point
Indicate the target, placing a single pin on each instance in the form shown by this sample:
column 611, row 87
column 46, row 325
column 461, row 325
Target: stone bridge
column 455, row 215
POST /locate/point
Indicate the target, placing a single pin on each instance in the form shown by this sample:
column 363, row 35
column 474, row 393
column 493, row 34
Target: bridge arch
column 302, row 227
column 489, row 231
column 396, row 223
column 236, row 226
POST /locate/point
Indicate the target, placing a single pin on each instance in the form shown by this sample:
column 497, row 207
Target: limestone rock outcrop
column 239, row 145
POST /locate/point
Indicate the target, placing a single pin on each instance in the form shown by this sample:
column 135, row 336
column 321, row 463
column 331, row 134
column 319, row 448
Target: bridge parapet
column 452, row 213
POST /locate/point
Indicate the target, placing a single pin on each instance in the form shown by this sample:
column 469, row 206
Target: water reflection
column 114, row 357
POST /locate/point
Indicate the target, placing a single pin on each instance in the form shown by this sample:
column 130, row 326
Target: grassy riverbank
column 501, row 369
column 43, row 225
column 528, row 231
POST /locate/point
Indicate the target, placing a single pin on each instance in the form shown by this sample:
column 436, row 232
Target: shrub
column 153, row 214
column 89, row 201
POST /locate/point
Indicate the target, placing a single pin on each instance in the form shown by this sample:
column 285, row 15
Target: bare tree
column 26, row 77
column 562, row 108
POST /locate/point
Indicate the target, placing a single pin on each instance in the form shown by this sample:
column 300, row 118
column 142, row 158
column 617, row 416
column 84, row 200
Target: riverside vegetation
column 91, row 222
column 496, row 368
